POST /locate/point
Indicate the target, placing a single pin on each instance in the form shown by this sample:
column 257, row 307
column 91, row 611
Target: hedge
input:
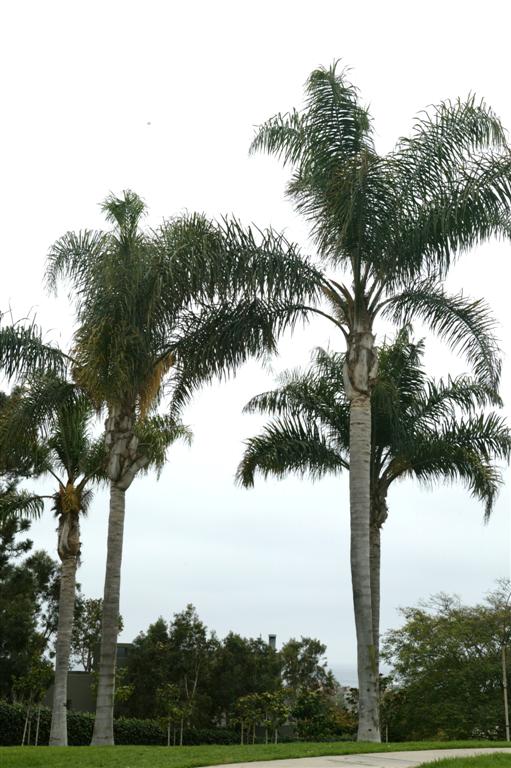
column 80, row 724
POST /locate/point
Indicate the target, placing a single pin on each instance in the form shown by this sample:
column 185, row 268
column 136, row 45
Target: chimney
column 272, row 642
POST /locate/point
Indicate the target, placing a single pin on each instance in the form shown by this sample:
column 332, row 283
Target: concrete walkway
column 371, row 759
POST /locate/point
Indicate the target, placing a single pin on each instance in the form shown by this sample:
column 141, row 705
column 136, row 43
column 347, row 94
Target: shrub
column 127, row 730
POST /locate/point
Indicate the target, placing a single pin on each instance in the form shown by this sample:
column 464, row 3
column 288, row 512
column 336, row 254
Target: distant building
column 79, row 685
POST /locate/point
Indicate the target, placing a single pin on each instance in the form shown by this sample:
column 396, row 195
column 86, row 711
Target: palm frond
column 23, row 352
column 289, row 445
column 466, row 325
column 155, row 436
column 316, row 395
column 94, row 460
column 20, row 504
column 72, row 257
column 215, row 340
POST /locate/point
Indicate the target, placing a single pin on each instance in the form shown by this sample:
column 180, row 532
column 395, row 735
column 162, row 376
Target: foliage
column 87, row 631
column 80, row 725
column 319, row 715
column 446, row 661
column 206, row 681
column 304, row 666
column 27, row 605
column 430, row 430
column 178, row 654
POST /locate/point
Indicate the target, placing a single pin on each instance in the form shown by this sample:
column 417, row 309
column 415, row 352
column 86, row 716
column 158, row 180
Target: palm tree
column 45, row 426
column 172, row 306
column 56, row 420
column 393, row 224
column 430, row 431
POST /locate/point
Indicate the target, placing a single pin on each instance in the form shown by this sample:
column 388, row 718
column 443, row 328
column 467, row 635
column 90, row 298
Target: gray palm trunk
column 359, row 374
column 69, row 550
column 104, row 723
column 58, row 730
column 123, row 464
column 379, row 514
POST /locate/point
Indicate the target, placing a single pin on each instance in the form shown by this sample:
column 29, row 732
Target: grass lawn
column 480, row 761
column 191, row 757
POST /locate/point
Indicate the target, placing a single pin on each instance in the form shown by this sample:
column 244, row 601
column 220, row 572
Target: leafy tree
column 304, row 666
column 190, row 651
column 446, row 662
column 393, row 224
column 169, row 703
column 276, row 712
column 421, row 428
column 318, row 714
column 181, row 302
column 179, row 654
column 250, row 711
column 86, row 637
column 26, row 604
column 499, row 602
column 239, row 667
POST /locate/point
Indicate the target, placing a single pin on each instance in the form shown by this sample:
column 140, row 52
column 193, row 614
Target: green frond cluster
column 430, row 430
column 15, row 503
column 156, row 434
column 192, row 298
column 440, row 191
column 23, row 351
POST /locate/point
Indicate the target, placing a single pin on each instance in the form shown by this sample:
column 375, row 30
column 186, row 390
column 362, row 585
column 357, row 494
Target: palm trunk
column 104, row 724
column 360, row 508
column 504, row 691
column 58, row 730
column 375, row 560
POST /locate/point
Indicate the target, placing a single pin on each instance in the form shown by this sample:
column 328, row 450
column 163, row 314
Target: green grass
column 480, row 761
column 191, row 757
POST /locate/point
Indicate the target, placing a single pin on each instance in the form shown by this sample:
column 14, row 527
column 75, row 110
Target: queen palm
column 172, row 306
column 45, row 427
column 392, row 224
column 422, row 429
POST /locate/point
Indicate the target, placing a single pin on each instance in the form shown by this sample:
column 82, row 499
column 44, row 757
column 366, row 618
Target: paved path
column 371, row 759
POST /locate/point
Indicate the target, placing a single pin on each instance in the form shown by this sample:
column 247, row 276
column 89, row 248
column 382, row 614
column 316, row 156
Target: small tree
column 276, row 712
column 172, row 709
column 250, row 711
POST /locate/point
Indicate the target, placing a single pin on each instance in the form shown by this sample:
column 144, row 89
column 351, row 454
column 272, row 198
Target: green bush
column 127, row 730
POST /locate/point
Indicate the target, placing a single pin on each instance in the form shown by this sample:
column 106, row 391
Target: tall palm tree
column 421, row 428
column 392, row 224
column 45, row 426
column 172, row 306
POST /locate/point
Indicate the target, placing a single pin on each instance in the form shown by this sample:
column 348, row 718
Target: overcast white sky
column 162, row 97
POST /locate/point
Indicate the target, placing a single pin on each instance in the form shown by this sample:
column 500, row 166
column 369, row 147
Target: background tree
column 169, row 704
column 499, row 601
column 86, row 637
column 304, row 666
column 241, row 666
column 446, row 665
column 422, row 429
column 392, row 224
column 27, row 617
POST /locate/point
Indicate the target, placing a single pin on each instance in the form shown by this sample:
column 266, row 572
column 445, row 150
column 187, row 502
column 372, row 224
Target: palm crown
column 189, row 299
column 422, row 428
column 397, row 221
